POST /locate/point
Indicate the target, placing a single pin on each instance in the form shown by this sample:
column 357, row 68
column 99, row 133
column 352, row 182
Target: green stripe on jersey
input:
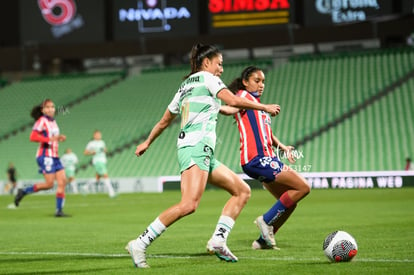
column 198, row 106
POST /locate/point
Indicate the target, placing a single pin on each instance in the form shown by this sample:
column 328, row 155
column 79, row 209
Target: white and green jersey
column 97, row 146
column 197, row 102
column 69, row 161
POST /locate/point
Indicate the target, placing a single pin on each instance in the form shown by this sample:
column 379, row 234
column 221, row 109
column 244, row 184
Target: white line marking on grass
column 65, row 254
column 284, row 259
column 385, row 260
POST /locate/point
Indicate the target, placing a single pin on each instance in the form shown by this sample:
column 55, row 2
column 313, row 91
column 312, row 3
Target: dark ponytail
column 198, row 53
column 237, row 84
column 36, row 112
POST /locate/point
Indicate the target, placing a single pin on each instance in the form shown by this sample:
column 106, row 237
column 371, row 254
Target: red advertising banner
column 231, row 15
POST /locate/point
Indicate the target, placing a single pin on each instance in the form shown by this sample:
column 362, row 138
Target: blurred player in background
column 198, row 103
column 260, row 162
column 46, row 132
column 70, row 161
column 12, row 179
column 97, row 149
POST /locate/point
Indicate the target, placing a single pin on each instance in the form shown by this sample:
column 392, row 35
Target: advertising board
column 62, row 21
column 133, row 19
column 331, row 12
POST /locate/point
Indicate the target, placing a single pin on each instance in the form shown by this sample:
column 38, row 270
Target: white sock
column 223, row 228
column 153, row 231
column 108, row 185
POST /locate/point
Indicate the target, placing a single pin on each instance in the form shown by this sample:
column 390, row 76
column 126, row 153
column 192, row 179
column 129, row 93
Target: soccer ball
column 340, row 246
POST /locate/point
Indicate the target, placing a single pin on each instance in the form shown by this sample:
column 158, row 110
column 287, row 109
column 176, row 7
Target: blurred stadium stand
column 346, row 89
column 331, row 109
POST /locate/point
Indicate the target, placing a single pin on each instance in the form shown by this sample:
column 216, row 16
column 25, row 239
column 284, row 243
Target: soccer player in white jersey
column 69, row 161
column 97, row 149
column 198, row 101
column 46, row 132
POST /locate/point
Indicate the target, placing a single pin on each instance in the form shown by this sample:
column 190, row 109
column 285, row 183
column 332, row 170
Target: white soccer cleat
column 11, row 206
column 257, row 246
column 221, row 250
column 137, row 255
column 266, row 231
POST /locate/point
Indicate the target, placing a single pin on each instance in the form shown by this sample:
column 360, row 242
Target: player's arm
column 228, row 110
column 161, row 125
column 88, row 151
column 286, row 148
column 243, row 103
column 37, row 136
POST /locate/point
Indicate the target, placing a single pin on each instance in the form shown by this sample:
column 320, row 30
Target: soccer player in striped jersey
column 46, row 132
column 198, row 101
column 259, row 161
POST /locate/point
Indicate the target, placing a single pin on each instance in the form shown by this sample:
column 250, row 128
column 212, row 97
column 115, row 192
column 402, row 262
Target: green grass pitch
column 92, row 241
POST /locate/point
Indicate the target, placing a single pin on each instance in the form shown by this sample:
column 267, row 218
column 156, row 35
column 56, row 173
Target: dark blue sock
column 274, row 213
column 59, row 203
column 29, row 190
column 261, row 240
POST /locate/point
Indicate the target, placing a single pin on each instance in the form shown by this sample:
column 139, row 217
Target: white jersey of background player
column 97, row 149
column 69, row 161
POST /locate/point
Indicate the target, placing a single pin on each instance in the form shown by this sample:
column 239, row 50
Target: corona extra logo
column 238, row 13
column 346, row 10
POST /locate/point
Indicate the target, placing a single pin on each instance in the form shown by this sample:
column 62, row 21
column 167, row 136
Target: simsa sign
column 134, row 18
column 230, row 14
column 328, row 12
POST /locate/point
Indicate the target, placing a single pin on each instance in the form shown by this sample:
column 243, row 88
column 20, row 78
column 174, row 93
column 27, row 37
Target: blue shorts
column 48, row 165
column 264, row 169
